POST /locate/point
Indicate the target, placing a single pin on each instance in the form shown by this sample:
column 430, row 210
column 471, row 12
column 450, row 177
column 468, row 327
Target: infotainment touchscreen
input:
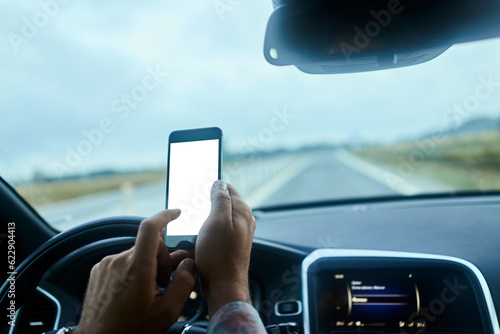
column 389, row 295
column 356, row 300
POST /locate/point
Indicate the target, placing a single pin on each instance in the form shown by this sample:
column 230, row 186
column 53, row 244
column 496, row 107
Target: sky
column 63, row 85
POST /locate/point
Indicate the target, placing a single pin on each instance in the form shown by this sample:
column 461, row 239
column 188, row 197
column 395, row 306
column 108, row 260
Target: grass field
column 49, row 192
column 466, row 162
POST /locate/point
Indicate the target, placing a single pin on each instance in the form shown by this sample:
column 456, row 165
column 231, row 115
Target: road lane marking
column 380, row 175
column 258, row 197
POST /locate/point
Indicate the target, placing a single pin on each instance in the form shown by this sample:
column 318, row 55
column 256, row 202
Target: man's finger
column 180, row 288
column 164, row 264
column 179, row 255
column 146, row 244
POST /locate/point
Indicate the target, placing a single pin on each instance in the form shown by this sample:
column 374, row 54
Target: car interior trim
column 277, row 312
column 52, row 298
column 58, row 305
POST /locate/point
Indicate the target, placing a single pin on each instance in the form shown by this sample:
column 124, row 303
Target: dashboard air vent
column 37, row 315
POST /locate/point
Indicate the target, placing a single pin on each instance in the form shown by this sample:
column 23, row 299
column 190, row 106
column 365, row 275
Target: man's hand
column 123, row 295
column 223, row 248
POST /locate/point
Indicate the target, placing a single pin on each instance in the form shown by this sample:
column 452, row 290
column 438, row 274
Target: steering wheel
column 31, row 270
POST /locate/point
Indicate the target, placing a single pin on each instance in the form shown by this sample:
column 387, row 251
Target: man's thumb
column 219, row 195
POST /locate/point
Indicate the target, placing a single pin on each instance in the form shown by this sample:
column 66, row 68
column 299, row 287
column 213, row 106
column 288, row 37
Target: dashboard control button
column 288, row 308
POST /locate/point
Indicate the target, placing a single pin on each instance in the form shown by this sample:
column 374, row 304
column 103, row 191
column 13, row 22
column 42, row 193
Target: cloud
column 64, row 81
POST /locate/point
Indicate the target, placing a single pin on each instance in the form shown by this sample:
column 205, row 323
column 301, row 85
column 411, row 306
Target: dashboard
column 381, row 268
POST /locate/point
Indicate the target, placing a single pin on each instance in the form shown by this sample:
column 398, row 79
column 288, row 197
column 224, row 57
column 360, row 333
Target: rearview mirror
column 360, row 35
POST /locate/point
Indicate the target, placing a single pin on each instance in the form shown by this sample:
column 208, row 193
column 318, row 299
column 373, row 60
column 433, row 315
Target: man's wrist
column 223, row 294
column 235, row 316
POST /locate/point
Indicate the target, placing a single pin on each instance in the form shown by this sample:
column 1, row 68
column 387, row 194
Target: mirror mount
column 323, row 37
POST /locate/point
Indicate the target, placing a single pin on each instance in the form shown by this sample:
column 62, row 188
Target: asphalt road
column 312, row 177
column 327, row 179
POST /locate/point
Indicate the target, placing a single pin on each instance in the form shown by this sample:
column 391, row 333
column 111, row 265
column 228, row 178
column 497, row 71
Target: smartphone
column 194, row 163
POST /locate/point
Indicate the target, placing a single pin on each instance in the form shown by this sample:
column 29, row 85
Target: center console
column 375, row 292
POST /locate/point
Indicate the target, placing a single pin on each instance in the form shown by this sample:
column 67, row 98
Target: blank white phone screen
column 193, row 169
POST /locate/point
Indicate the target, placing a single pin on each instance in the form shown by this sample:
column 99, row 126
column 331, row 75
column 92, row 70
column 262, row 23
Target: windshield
column 90, row 91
